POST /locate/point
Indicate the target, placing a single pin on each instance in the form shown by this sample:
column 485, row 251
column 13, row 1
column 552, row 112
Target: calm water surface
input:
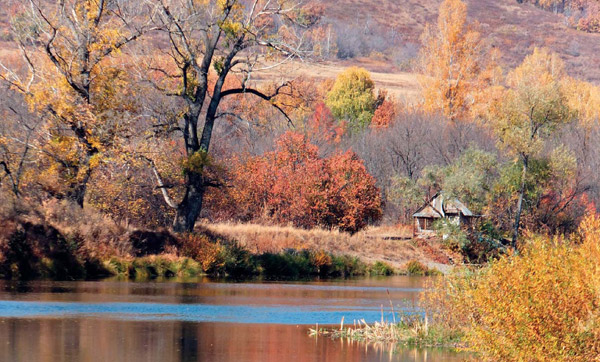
column 200, row 321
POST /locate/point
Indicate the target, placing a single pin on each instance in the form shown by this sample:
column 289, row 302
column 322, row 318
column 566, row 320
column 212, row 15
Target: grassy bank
column 392, row 245
column 57, row 241
column 237, row 263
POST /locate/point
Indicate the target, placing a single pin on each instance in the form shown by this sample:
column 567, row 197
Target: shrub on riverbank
column 153, row 266
column 60, row 241
column 415, row 267
column 542, row 304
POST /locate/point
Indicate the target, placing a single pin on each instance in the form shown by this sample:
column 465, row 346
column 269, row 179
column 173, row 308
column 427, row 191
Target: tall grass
column 390, row 244
column 410, row 329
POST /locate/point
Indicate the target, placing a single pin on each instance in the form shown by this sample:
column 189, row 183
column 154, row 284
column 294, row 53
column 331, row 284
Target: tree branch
column 261, row 95
column 161, row 184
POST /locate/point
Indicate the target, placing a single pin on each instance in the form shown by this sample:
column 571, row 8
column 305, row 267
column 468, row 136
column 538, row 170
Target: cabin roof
column 439, row 207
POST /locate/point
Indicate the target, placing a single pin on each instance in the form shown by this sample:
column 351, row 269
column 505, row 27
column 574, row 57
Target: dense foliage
column 142, row 131
column 294, row 184
column 352, row 98
column 538, row 305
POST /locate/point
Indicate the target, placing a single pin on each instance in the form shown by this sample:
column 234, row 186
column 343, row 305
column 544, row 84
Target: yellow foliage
column 533, row 106
column 233, row 11
column 450, row 62
column 196, row 162
column 584, row 98
column 200, row 248
column 352, row 98
column 542, row 304
column 321, row 259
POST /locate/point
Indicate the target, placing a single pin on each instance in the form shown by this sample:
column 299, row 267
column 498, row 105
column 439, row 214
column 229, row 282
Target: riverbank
column 538, row 304
column 393, row 245
column 57, row 241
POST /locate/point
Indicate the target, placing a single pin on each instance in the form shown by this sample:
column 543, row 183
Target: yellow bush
column 542, row 304
column 200, row 248
column 321, row 259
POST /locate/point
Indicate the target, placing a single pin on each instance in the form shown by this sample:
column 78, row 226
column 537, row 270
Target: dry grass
column 411, row 329
column 391, row 245
column 96, row 234
column 402, row 85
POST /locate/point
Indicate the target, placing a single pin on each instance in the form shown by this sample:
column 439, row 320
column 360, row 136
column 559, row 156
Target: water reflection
column 93, row 334
column 91, row 340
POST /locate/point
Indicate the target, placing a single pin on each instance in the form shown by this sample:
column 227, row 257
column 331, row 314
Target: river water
column 199, row 321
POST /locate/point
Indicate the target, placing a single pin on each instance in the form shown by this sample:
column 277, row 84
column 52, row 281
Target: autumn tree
column 227, row 38
column 352, row 98
column 74, row 83
column 293, row 184
column 384, row 114
column 18, row 133
column 321, row 127
column 450, row 60
column 532, row 107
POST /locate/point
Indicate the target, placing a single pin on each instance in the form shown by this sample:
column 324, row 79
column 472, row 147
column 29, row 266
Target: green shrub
column 347, row 266
column 381, row 268
column 236, row 262
column 415, row 267
column 452, row 235
column 288, row 264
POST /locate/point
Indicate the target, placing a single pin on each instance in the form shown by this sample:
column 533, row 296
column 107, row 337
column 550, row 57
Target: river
column 199, row 321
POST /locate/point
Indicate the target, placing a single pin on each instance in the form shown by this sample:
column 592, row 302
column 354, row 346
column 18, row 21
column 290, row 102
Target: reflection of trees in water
column 94, row 339
column 386, row 351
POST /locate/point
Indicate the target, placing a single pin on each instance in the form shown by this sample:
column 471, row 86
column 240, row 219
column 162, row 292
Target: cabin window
column 425, row 224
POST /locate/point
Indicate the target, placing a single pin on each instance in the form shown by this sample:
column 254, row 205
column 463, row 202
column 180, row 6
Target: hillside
column 514, row 28
column 402, row 85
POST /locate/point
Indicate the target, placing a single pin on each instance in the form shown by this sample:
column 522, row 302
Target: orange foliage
column 294, row 185
column 384, row 114
column 451, row 61
column 322, row 126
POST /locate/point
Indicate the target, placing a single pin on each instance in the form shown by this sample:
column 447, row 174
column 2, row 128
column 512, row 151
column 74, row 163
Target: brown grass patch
column 392, row 245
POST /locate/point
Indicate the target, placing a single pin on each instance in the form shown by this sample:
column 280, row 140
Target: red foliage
column 322, row 126
column 384, row 114
column 294, row 185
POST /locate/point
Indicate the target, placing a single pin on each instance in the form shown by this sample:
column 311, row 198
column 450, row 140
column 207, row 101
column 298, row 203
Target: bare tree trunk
column 520, row 202
column 191, row 205
column 77, row 190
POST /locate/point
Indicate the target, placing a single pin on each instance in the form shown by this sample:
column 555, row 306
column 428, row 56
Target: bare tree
column 222, row 39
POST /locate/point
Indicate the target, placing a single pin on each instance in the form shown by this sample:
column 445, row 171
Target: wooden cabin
column 437, row 208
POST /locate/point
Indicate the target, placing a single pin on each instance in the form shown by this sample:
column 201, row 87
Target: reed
column 410, row 329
